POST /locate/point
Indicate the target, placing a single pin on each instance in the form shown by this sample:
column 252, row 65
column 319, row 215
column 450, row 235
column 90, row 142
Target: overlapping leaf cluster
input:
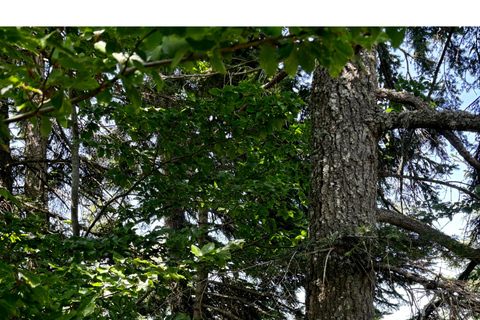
column 153, row 149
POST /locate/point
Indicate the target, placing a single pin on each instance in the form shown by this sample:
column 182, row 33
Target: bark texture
column 36, row 167
column 342, row 189
column 35, row 155
column 428, row 118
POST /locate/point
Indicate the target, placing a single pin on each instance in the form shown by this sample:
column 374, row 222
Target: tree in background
column 198, row 164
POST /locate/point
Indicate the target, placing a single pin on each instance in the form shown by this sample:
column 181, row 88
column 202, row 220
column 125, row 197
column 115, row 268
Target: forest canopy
column 228, row 172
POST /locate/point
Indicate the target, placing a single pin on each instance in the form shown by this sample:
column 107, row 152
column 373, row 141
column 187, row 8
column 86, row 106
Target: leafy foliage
column 178, row 120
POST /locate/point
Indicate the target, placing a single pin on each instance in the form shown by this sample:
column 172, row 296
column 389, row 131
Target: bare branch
column 228, row 314
column 276, row 79
column 245, row 302
column 458, row 145
column 447, row 184
column 434, row 81
column 419, row 104
column 427, row 232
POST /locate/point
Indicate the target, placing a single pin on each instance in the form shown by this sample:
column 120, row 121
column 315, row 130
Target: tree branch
column 155, row 64
column 458, row 145
column 276, row 79
column 434, row 81
column 413, row 277
column 245, row 302
column 403, row 97
column 419, row 104
column 447, row 184
column 427, row 232
column 428, row 118
column 228, row 314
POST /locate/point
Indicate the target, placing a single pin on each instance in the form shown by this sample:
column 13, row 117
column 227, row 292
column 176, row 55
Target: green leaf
column 217, row 63
column 178, row 56
column 268, row 60
column 46, row 126
column 57, row 99
column 7, row 195
column 396, row 36
column 5, row 309
column 101, row 46
column 284, row 51
column 158, row 80
column 290, row 65
column 344, row 48
column 86, row 83
column 277, row 123
column 209, row 247
column 306, row 59
column 215, row 92
column 202, row 44
column 87, row 306
column 132, row 94
column 31, row 278
column 196, row 251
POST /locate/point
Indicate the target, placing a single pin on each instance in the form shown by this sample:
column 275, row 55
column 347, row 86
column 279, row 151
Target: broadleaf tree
column 198, row 173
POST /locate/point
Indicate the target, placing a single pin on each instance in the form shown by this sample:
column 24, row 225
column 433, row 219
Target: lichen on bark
column 342, row 189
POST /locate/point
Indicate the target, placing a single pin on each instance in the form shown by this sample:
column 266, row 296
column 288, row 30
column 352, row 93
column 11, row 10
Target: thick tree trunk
column 342, row 190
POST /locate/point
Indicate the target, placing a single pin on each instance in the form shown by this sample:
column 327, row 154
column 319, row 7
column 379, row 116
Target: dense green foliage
column 176, row 122
column 158, row 146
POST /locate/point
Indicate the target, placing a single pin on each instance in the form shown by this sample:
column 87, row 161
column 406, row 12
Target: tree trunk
column 342, row 190
column 181, row 298
column 75, row 174
column 6, row 179
column 202, row 273
column 35, row 156
column 36, row 167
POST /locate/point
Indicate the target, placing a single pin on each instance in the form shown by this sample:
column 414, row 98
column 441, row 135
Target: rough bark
column 342, row 189
column 35, row 153
column 428, row 118
column 36, row 168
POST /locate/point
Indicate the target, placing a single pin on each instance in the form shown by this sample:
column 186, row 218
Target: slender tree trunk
column 36, row 168
column 75, row 174
column 342, row 190
column 202, row 272
column 35, row 156
column 181, row 300
column 6, row 179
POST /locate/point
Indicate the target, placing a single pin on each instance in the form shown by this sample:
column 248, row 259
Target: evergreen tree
column 204, row 179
